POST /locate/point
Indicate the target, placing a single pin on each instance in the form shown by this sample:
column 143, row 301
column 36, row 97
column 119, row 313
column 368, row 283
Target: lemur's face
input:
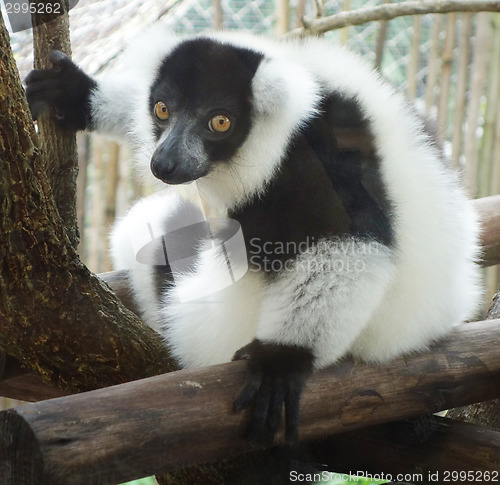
column 201, row 106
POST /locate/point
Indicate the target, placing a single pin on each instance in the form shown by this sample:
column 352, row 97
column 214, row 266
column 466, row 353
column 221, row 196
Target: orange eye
column 219, row 124
column 161, row 111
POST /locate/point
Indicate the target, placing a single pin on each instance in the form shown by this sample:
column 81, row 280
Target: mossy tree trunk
column 55, row 316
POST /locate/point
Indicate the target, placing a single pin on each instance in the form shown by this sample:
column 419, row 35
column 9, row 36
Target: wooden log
column 185, row 417
column 489, row 210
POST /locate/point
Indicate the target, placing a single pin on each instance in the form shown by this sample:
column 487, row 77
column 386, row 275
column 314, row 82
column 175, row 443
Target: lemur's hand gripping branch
column 65, row 89
column 276, row 377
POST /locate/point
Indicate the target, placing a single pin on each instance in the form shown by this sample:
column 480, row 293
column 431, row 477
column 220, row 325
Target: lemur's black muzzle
column 173, row 164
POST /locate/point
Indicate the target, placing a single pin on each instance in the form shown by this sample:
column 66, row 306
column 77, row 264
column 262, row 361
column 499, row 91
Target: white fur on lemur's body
column 407, row 298
column 346, row 294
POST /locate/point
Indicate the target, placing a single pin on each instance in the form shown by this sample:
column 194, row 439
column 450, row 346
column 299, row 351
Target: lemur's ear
column 279, row 83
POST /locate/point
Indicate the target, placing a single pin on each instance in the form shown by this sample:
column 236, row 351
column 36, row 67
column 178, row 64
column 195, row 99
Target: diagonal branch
column 391, row 11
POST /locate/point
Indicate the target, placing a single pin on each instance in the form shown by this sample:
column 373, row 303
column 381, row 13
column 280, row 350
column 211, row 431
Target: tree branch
column 391, row 11
column 56, row 317
column 186, row 417
column 58, row 145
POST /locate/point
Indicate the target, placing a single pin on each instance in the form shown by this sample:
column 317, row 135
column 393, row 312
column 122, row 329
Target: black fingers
column 249, row 391
column 292, row 407
column 65, row 89
column 276, row 377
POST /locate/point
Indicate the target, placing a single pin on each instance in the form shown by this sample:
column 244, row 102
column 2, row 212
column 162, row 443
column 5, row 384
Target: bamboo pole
column 381, row 38
column 479, row 67
column 217, row 15
column 495, row 179
column 111, row 182
column 282, row 17
column 486, row 169
column 125, row 189
column 345, row 31
column 486, row 155
column 97, row 198
column 433, row 64
column 461, row 89
column 83, row 146
column 446, row 68
column 413, row 64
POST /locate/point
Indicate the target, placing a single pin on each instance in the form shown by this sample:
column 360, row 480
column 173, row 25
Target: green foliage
column 142, row 481
column 331, row 478
column 353, row 480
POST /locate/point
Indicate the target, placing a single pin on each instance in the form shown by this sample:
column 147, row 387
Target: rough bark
column 58, row 145
column 55, row 316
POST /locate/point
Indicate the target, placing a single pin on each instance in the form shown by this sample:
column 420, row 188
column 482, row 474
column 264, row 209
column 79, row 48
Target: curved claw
column 276, row 377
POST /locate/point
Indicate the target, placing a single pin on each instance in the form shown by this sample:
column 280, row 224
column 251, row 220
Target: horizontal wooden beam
column 160, row 423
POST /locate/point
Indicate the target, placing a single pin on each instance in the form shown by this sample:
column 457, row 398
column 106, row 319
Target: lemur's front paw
column 276, row 377
column 65, row 88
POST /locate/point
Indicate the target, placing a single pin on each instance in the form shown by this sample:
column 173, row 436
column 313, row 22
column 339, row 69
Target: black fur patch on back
column 354, row 171
column 321, row 190
column 201, row 78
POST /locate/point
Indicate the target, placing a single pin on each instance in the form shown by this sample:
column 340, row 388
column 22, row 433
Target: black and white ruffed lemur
column 368, row 252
